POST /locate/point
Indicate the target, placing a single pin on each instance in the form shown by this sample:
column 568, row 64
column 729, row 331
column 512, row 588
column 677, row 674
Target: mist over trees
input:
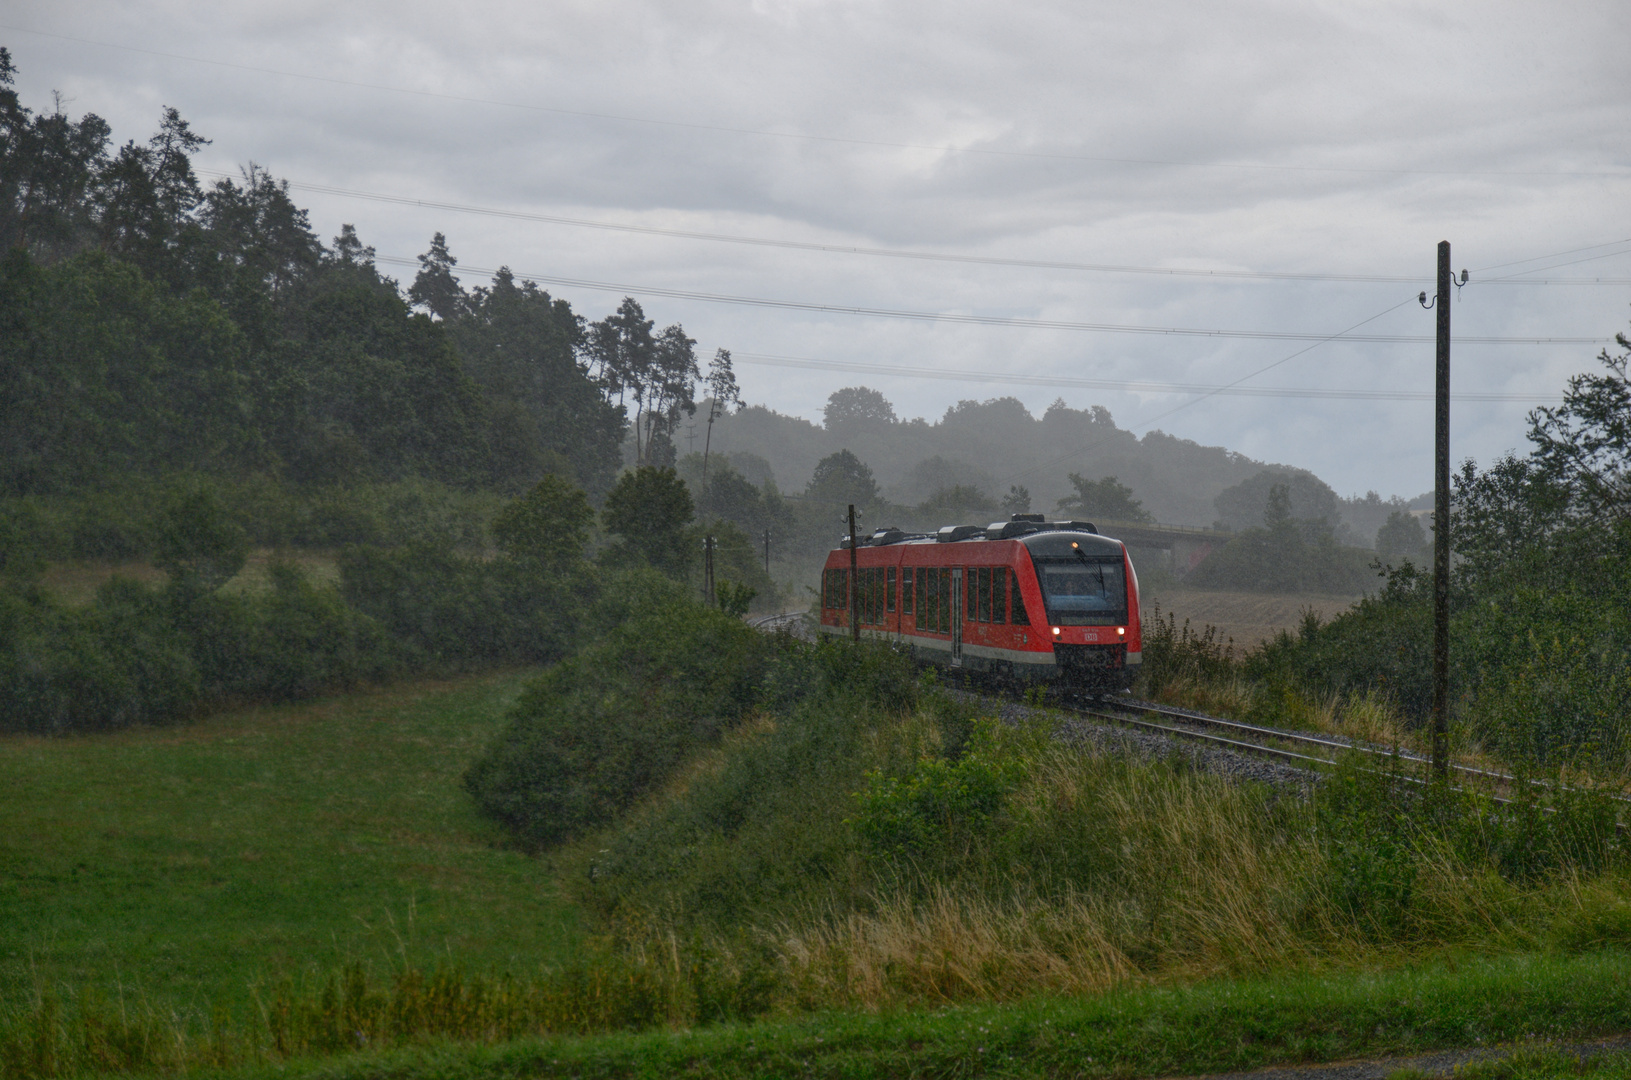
column 1006, row 460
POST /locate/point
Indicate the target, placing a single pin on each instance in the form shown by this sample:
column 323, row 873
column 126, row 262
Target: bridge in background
column 1184, row 546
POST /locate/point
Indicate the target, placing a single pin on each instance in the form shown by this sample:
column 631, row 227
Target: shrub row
column 138, row 654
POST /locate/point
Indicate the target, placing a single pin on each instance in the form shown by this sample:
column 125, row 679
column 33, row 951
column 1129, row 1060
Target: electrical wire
column 898, row 253
column 1554, row 255
column 828, row 139
column 1005, row 320
column 1129, row 386
column 1061, row 459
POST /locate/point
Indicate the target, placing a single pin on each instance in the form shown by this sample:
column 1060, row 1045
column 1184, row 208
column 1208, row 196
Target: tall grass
column 943, row 858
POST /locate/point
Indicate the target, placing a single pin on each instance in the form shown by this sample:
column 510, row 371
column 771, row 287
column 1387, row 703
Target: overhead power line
column 1196, row 400
column 1040, row 155
column 900, row 253
column 1002, row 320
column 1128, row 385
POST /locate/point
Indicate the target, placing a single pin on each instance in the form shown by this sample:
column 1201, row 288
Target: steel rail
column 1201, row 736
column 1299, row 737
column 1290, row 755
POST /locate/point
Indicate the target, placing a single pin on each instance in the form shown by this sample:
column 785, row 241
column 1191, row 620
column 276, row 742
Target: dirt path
column 1444, row 1063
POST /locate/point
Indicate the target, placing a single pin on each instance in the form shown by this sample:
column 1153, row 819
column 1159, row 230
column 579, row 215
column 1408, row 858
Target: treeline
column 150, row 325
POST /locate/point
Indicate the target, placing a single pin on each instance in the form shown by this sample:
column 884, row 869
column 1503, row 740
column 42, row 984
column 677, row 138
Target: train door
column 957, row 617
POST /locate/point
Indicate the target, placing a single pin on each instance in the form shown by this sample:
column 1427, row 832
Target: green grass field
column 188, row 864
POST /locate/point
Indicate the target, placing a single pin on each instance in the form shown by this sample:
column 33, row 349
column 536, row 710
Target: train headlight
column 1121, row 630
column 1056, row 631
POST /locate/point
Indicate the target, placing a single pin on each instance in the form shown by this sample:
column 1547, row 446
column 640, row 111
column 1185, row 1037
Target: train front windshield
column 1084, row 592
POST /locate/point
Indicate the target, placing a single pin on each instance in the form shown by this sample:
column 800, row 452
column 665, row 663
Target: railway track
column 794, row 622
column 1311, row 751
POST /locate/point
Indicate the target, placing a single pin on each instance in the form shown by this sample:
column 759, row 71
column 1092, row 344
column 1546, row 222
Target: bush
column 138, row 655
column 939, row 802
column 613, row 723
column 1173, row 653
column 451, row 609
column 119, row 661
column 293, row 641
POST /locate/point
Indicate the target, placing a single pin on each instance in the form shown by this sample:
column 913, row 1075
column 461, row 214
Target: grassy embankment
column 183, row 868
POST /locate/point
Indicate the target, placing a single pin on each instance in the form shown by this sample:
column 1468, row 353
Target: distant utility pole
column 854, row 597
column 708, row 567
column 1441, row 517
column 690, row 438
column 767, row 553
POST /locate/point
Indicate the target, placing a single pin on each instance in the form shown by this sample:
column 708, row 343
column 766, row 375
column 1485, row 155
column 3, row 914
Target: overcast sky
column 1296, row 138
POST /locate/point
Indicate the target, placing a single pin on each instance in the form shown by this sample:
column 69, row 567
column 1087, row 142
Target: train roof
column 1042, row 537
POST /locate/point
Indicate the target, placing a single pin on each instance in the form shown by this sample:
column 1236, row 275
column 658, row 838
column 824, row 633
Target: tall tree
column 524, row 348
column 1106, row 498
column 722, row 394
column 259, row 237
column 840, row 479
column 650, row 508
column 658, row 371
column 50, row 167
column 621, row 352
column 1584, row 445
column 857, row 405
column 435, row 288
column 673, row 386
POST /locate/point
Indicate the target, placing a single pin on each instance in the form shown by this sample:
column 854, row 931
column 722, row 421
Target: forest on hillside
column 156, row 326
column 1031, row 463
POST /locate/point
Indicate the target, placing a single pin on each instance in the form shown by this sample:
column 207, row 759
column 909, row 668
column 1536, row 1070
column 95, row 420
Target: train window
column 985, row 594
column 837, row 590
column 939, row 600
column 906, row 588
column 999, row 594
column 1017, row 613
column 946, row 613
column 1084, row 593
column 889, row 601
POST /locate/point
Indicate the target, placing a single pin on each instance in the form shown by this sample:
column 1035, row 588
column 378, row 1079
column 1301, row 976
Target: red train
column 1024, row 600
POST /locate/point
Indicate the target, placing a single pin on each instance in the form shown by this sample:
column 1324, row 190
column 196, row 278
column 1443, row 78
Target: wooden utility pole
column 854, row 596
column 708, row 567
column 1441, row 524
column 767, row 553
